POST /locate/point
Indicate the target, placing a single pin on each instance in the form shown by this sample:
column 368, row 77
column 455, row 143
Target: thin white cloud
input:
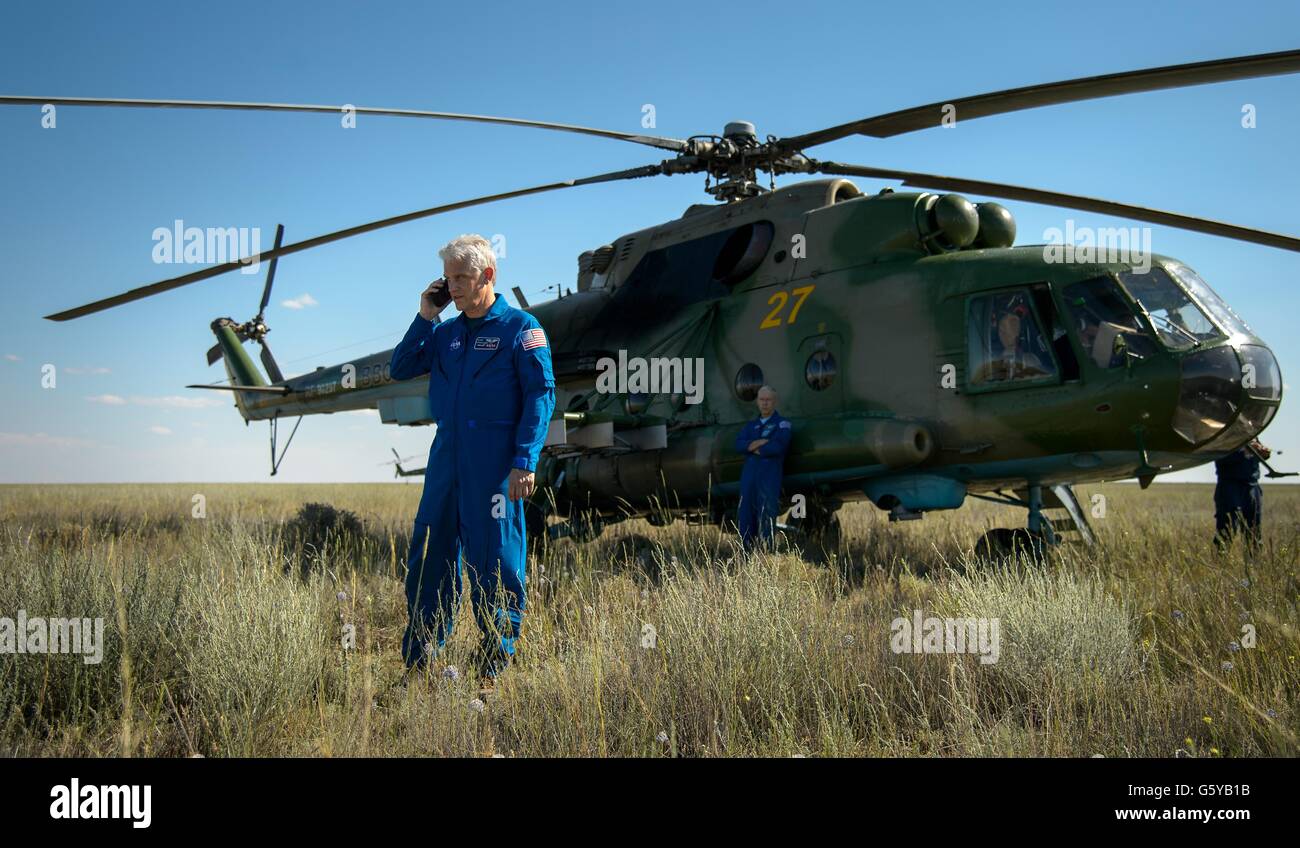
column 159, row 430
column 176, row 401
column 162, row 401
column 13, row 357
column 301, row 302
column 74, row 370
column 42, row 440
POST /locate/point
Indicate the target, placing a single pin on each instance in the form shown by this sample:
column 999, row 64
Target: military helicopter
column 921, row 357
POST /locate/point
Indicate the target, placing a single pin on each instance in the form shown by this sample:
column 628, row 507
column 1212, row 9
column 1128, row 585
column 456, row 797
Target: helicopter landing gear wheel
column 818, row 532
column 586, row 527
column 1003, row 543
column 535, row 526
column 824, row 541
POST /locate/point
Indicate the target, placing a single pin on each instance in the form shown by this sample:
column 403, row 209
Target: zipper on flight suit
column 467, row 341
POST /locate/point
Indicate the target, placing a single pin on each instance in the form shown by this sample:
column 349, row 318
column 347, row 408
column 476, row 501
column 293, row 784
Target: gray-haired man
column 491, row 392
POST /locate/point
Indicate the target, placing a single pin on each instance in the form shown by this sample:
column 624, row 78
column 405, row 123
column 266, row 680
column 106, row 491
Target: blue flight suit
column 1238, row 499
column 760, row 480
column 491, row 392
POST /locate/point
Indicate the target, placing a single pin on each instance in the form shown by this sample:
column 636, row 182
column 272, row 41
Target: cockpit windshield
column 1218, row 309
column 1107, row 329
column 1177, row 319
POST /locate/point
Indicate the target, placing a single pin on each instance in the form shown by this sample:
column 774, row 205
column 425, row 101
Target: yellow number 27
column 781, row 298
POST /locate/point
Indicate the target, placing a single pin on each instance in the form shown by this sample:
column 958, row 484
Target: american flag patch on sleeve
column 533, row 338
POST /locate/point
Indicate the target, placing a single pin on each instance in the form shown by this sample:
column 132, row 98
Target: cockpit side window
column 1104, row 323
column 1006, row 342
column 1179, row 322
column 1221, row 311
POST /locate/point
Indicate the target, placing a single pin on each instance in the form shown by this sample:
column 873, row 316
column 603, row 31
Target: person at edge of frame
column 1238, row 498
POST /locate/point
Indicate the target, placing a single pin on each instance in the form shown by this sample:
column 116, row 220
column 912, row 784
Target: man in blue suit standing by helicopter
column 764, row 441
column 491, row 393
column 1238, row 498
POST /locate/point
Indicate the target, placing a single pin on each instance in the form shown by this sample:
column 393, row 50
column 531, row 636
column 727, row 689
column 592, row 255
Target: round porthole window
column 636, row 403
column 820, row 370
column 749, row 379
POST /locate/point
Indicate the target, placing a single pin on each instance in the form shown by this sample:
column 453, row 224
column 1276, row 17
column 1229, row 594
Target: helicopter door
column 816, row 369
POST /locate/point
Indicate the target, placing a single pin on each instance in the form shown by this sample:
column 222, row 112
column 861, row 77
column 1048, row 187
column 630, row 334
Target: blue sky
column 80, row 202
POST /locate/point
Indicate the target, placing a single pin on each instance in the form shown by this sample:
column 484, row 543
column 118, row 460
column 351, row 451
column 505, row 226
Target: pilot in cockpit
column 1009, row 359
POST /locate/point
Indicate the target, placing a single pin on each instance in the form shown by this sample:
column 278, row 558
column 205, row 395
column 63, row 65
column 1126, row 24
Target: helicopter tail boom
column 239, row 365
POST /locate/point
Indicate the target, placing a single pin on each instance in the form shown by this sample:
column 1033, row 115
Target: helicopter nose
column 1227, row 396
column 1262, row 386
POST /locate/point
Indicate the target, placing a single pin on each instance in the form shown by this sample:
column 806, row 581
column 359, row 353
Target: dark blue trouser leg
column 497, row 595
column 1251, row 514
column 760, row 499
column 432, row 589
column 766, row 515
column 747, row 517
column 1237, row 509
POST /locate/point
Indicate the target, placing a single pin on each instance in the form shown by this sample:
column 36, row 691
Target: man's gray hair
column 766, row 388
column 471, row 248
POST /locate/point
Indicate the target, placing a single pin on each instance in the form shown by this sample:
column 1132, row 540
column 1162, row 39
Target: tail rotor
column 256, row 328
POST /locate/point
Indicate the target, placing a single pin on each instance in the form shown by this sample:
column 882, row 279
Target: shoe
column 488, row 664
column 412, row 674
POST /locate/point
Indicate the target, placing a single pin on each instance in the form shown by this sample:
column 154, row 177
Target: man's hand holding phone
column 434, row 299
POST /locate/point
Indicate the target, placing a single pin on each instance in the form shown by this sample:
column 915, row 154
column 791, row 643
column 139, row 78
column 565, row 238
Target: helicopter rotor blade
column 270, row 271
column 1050, row 94
column 215, row 270
column 651, row 141
column 397, row 458
column 1067, row 201
column 673, row 144
column 268, row 361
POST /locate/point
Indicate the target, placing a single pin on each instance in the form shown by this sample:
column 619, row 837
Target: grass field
column 223, row 638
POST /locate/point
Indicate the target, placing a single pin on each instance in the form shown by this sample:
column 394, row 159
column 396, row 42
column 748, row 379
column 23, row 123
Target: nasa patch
column 455, row 344
column 487, row 343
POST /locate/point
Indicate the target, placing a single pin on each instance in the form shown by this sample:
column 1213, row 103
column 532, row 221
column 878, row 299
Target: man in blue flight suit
column 491, row 393
column 764, row 441
column 1238, row 499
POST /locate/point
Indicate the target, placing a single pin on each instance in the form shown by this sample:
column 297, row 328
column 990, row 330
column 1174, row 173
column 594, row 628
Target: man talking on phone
column 491, row 392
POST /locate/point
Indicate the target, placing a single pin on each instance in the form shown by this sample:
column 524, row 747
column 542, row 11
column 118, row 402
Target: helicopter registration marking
column 780, row 298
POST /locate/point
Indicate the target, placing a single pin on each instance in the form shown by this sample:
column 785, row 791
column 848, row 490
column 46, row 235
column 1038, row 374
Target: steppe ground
column 225, row 635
